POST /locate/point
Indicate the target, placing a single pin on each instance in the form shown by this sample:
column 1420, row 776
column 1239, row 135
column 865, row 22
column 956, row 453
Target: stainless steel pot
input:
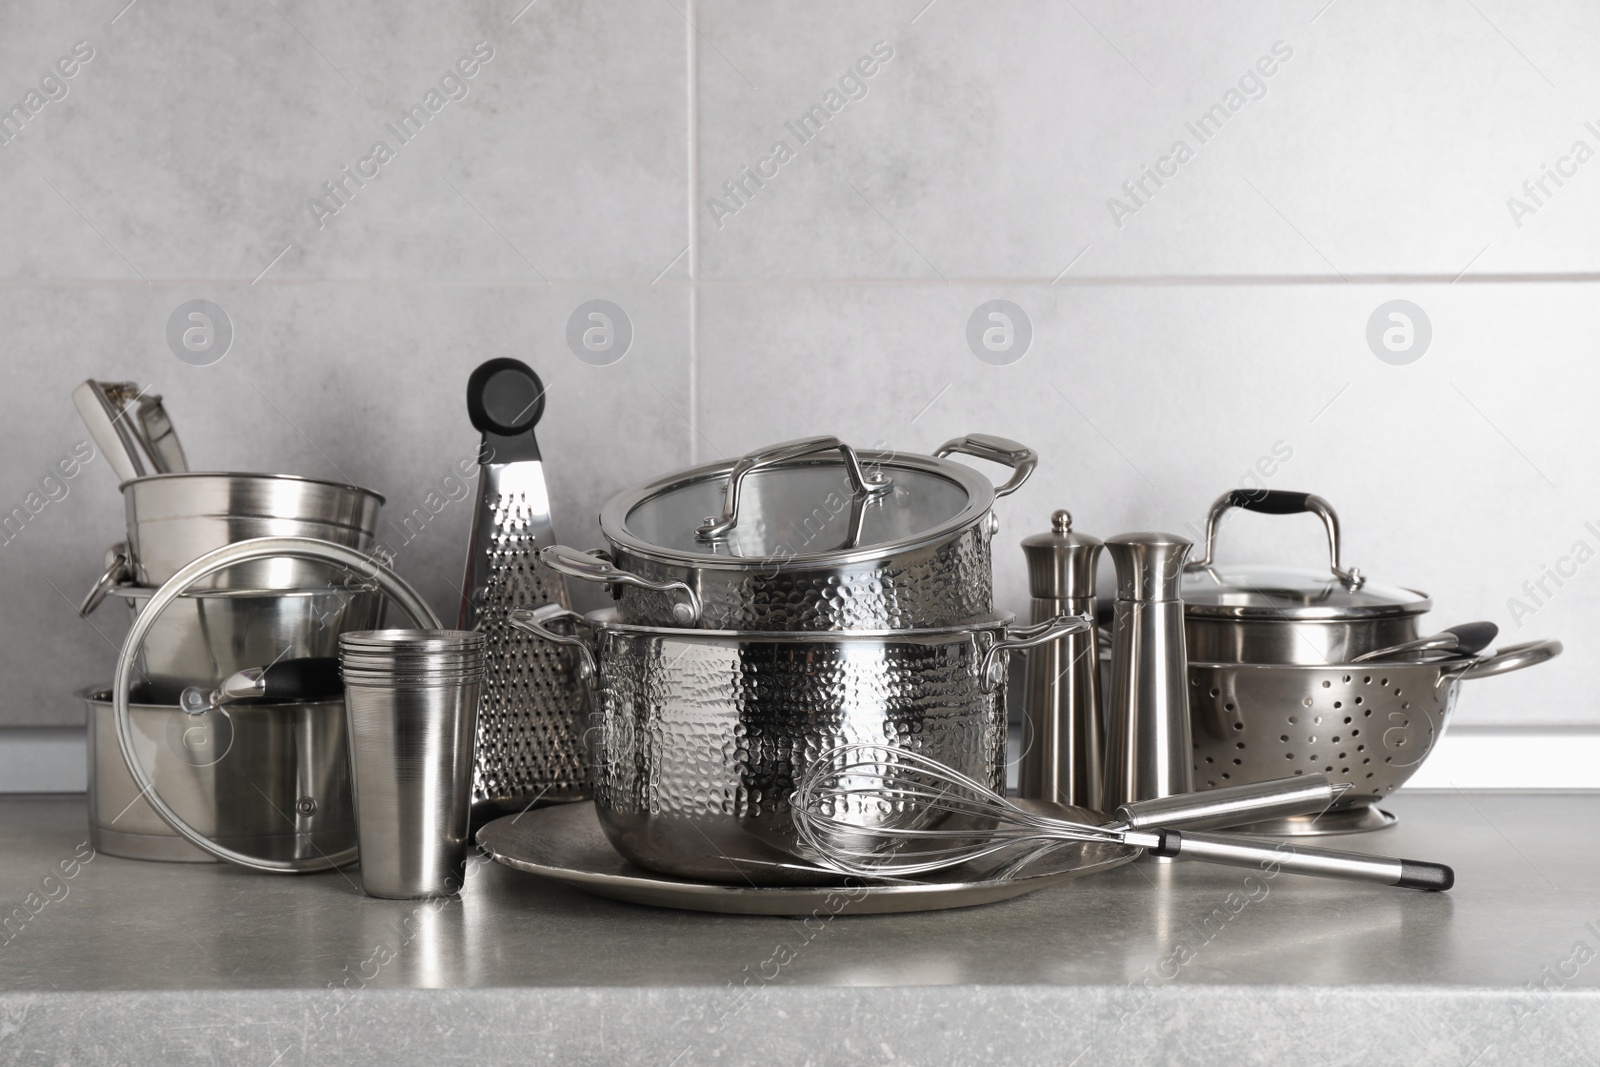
column 808, row 535
column 175, row 518
column 271, row 780
column 703, row 733
column 206, row 636
column 1369, row 725
column 1278, row 614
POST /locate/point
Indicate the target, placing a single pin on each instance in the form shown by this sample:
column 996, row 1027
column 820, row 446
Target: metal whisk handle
column 1272, row 856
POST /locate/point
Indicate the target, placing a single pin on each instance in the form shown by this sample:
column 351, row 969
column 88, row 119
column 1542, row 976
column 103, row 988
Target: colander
column 1366, row 724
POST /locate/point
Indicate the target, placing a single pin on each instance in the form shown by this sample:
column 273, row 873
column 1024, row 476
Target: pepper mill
column 1064, row 741
column 1149, row 750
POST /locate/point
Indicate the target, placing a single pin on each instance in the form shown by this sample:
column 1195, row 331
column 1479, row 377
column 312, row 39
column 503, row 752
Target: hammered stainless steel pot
column 808, row 535
column 175, row 518
column 1368, row 725
column 702, row 734
column 1279, row 614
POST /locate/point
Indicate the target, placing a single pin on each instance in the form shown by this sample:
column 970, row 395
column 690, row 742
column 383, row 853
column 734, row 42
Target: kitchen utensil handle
column 1019, row 457
column 1513, row 658
column 537, row 621
column 1272, row 856
column 1279, row 502
column 116, row 571
column 478, row 397
column 860, row 481
column 307, row 679
column 992, row 669
column 1238, row 805
column 115, row 442
column 587, row 567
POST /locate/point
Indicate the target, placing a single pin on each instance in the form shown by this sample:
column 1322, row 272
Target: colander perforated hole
column 1216, row 692
column 1383, row 681
column 1388, row 759
column 1367, row 680
column 1348, row 720
column 1284, row 738
column 1336, row 739
column 1369, row 774
column 1288, row 755
column 1317, row 721
column 1365, row 762
column 1306, row 701
column 1327, row 685
column 1355, row 733
column 1226, row 775
column 1238, row 726
column 1360, row 701
column 1299, row 772
column 1347, row 679
column 1397, row 691
column 1368, row 713
column 1337, row 704
column 1210, row 760
column 1212, row 782
column 1238, row 744
column 1227, row 707
column 1345, row 770
column 1328, row 769
column 1293, row 720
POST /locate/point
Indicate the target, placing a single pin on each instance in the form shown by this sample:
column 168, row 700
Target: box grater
column 532, row 709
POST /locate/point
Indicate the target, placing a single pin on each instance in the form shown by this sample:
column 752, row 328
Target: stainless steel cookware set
column 804, row 675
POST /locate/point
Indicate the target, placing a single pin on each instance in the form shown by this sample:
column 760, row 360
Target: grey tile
column 1386, row 139
column 562, row 156
column 365, row 383
column 1456, row 474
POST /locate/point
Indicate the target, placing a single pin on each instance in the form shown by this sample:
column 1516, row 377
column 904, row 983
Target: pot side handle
column 587, row 567
column 1513, row 658
column 537, row 621
column 1002, row 450
column 992, row 670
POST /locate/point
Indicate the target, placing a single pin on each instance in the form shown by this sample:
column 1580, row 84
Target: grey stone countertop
column 131, row 962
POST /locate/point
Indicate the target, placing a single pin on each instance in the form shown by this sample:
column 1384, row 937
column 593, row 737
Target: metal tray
column 565, row 844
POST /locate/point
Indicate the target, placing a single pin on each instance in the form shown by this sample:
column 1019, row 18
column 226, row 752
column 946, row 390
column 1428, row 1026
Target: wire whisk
column 874, row 810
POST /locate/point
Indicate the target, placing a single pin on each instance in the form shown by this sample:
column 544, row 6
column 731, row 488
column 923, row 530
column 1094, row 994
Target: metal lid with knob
column 1061, row 563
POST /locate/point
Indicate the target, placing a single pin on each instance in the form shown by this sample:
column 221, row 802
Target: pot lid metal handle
column 1279, row 502
column 861, row 482
column 1002, row 450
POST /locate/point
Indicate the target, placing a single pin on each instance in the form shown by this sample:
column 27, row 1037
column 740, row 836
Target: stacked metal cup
column 411, row 700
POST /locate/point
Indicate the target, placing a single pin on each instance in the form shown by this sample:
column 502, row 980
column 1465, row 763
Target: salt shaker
column 1064, row 744
column 1149, row 751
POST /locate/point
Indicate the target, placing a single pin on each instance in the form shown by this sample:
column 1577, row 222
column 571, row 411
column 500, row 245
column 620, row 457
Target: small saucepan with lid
column 809, row 535
column 1285, row 614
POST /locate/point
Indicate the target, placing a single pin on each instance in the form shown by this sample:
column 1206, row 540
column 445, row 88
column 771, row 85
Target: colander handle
column 1279, row 502
column 1513, row 658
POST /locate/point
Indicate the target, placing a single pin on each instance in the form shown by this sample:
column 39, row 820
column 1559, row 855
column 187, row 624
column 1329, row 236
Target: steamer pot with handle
column 703, row 734
column 1283, row 614
column 809, row 535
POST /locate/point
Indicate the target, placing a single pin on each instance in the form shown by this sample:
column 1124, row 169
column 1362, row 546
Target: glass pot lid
column 816, row 500
column 1265, row 591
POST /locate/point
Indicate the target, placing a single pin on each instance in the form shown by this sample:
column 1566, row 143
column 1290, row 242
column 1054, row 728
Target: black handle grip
column 313, row 678
column 1474, row 637
column 505, row 397
column 1420, row 874
column 1270, row 501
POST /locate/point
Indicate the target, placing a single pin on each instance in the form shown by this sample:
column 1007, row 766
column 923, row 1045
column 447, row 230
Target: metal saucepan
column 1278, row 614
column 703, row 734
column 1368, row 725
column 176, row 518
column 808, row 535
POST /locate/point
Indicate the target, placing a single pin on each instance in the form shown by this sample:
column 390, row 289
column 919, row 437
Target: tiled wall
column 1335, row 157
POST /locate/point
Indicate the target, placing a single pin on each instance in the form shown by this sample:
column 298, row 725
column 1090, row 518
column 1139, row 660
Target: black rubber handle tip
column 1171, row 844
column 504, row 397
column 1270, row 501
column 313, row 678
column 1431, row 877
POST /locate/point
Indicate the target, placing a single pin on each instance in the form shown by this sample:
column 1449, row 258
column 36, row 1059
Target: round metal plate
column 565, row 843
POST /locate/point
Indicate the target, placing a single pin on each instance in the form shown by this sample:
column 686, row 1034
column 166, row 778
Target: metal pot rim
column 980, row 501
column 252, row 475
column 145, row 592
column 605, row 620
column 1289, row 616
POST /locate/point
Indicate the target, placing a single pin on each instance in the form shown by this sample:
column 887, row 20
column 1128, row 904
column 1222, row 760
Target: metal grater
column 532, row 711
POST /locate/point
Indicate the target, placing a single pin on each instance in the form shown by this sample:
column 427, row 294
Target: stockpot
column 1283, row 614
column 807, row 535
column 175, row 518
column 702, row 734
